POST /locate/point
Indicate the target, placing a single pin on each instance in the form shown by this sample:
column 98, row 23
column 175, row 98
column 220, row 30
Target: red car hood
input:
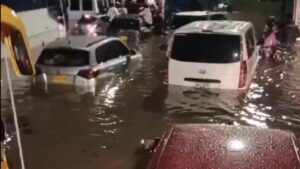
column 225, row 147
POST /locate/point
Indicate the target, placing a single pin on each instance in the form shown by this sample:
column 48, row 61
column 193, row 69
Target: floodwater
column 68, row 129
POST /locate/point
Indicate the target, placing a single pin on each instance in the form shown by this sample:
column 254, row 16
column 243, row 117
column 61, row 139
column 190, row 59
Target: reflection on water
column 69, row 129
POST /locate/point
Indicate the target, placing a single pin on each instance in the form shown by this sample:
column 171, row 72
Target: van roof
column 76, row 42
column 199, row 13
column 224, row 27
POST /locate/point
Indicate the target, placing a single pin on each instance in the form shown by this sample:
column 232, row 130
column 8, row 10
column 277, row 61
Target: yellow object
column 3, row 159
column 14, row 36
column 62, row 79
column 124, row 38
column 10, row 21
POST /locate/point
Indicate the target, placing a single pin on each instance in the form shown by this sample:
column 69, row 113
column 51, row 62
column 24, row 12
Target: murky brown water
column 67, row 129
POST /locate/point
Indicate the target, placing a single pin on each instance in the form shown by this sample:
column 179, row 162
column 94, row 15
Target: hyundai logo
column 201, row 71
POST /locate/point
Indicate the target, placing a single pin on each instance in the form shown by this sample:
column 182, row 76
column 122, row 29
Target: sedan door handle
column 110, row 68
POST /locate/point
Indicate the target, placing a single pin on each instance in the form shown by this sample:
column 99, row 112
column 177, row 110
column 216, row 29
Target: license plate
column 60, row 79
column 124, row 38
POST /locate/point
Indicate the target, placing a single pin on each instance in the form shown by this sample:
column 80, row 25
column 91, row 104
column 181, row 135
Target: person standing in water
column 112, row 12
column 146, row 16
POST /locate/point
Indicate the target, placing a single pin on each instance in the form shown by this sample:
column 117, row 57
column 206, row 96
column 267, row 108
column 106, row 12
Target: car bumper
column 67, row 80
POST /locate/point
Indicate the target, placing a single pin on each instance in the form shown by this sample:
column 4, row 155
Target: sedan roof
column 226, row 147
column 76, row 42
column 199, row 13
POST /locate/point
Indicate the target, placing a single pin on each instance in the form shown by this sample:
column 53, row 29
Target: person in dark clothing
column 65, row 5
column 158, row 22
column 290, row 34
column 269, row 27
column 280, row 27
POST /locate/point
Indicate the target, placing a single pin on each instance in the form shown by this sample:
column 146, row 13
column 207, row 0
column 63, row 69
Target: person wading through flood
column 146, row 16
column 112, row 12
column 65, row 5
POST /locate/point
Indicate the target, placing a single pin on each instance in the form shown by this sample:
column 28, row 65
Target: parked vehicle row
column 127, row 27
column 218, row 53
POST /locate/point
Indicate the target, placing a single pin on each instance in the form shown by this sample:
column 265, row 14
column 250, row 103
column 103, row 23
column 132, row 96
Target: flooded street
column 65, row 128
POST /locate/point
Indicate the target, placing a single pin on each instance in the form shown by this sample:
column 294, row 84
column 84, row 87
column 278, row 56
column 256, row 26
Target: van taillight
column 166, row 75
column 166, row 80
column 88, row 74
column 243, row 74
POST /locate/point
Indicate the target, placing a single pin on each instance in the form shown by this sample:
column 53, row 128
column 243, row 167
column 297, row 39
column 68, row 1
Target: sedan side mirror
column 163, row 47
column 132, row 51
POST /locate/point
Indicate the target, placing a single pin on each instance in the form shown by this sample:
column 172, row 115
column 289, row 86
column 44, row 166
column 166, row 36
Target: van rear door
column 251, row 52
column 205, row 60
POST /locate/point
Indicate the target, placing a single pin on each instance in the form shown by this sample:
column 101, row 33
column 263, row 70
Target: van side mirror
column 15, row 38
column 18, row 52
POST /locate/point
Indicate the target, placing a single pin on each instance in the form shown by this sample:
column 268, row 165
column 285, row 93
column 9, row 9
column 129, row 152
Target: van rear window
column 206, row 48
column 64, row 57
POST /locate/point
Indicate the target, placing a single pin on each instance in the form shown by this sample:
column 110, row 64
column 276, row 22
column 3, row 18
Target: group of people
column 116, row 10
column 150, row 15
column 284, row 33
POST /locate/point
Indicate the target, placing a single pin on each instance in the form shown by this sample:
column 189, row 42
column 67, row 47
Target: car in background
column 213, row 54
column 204, row 146
column 183, row 18
column 80, row 7
column 80, row 60
column 127, row 28
column 89, row 25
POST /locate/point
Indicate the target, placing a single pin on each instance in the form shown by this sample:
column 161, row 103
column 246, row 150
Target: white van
column 213, row 54
column 79, row 7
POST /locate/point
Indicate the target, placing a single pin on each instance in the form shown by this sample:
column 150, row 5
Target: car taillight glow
column 87, row 16
column 89, row 73
column 166, row 76
column 243, row 74
column 91, row 28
